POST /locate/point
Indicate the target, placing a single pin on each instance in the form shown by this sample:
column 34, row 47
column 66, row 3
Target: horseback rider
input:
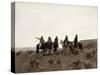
column 66, row 41
column 56, row 39
column 49, row 44
column 49, row 39
column 41, row 40
column 55, row 44
column 75, row 41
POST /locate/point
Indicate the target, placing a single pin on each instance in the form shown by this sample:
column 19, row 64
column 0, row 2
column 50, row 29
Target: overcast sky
column 35, row 19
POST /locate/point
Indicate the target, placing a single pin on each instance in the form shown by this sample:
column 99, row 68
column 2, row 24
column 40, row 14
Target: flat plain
column 29, row 61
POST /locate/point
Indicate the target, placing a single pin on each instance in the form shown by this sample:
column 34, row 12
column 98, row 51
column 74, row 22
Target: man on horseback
column 65, row 44
column 40, row 43
column 75, row 41
column 66, row 41
column 41, row 40
column 55, row 44
column 49, row 39
column 49, row 44
column 77, row 45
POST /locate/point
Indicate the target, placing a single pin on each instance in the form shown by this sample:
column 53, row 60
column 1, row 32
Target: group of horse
column 48, row 47
column 71, row 47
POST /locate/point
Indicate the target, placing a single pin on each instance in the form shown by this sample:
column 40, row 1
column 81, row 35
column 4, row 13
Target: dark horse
column 47, row 46
column 75, row 47
column 44, row 47
column 71, row 47
column 55, row 46
column 66, row 46
column 78, row 45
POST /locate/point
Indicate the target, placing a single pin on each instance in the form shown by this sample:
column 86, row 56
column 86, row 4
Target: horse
column 44, row 47
column 63, row 46
column 71, row 48
column 47, row 47
column 55, row 46
column 78, row 45
column 67, row 46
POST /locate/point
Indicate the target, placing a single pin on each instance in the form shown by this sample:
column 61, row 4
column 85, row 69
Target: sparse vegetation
column 51, row 61
column 76, row 64
column 89, row 56
column 29, row 61
column 58, row 61
column 88, row 66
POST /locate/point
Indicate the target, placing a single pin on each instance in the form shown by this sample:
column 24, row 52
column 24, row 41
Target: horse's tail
column 37, row 48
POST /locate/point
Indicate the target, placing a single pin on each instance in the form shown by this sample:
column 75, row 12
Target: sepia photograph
column 53, row 37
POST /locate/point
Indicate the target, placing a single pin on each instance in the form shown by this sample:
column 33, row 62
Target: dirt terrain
column 29, row 61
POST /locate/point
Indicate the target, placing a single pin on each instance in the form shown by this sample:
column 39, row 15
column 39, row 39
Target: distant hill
column 89, row 43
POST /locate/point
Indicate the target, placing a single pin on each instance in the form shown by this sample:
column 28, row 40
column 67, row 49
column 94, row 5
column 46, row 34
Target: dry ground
column 32, row 63
column 29, row 61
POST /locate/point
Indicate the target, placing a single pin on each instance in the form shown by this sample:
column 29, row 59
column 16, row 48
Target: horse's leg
column 54, row 50
column 37, row 49
column 72, row 51
column 42, row 51
column 64, row 50
column 67, row 50
column 50, row 51
column 46, row 51
column 81, row 49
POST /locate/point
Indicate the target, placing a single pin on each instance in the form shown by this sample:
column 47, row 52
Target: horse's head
column 61, row 41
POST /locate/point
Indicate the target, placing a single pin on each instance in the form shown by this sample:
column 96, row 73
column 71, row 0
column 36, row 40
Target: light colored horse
column 64, row 48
